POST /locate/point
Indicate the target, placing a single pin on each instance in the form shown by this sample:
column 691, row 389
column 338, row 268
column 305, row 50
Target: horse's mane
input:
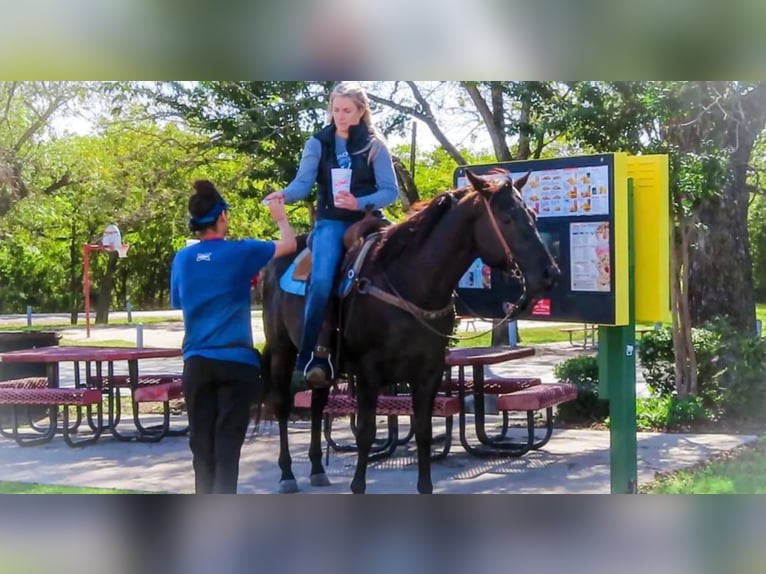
column 417, row 227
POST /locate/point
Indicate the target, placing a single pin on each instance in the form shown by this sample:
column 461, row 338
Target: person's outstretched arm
column 286, row 243
column 308, row 169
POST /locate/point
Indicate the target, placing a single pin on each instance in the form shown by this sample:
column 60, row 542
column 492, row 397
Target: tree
column 720, row 273
column 708, row 129
column 27, row 110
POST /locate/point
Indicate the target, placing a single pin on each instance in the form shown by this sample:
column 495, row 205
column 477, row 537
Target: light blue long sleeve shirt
column 300, row 187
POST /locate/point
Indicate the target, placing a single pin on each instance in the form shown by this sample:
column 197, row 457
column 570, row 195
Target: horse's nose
column 551, row 274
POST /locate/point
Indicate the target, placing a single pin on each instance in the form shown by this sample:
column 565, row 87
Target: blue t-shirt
column 210, row 283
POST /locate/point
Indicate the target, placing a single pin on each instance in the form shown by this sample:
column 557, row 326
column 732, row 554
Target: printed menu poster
column 569, row 192
column 590, row 267
column 478, row 276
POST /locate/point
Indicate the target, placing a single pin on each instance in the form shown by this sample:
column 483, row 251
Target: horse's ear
column 522, row 181
column 477, row 182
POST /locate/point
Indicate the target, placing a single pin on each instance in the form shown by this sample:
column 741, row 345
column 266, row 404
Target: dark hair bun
column 204, row 198
column 205, row 188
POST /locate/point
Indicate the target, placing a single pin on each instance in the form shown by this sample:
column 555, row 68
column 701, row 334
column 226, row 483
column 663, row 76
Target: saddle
column 358, row 240
column 302, row 268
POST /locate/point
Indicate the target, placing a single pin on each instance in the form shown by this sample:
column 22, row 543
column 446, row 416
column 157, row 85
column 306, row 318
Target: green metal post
column 617, row 383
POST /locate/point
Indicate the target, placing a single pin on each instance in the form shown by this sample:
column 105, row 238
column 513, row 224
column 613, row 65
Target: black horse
column 396, row 319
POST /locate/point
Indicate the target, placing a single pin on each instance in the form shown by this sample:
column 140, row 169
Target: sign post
column 606, row 220
column 617, row 382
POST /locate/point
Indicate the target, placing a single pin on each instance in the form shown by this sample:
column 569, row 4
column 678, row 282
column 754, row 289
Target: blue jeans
column 327, row 252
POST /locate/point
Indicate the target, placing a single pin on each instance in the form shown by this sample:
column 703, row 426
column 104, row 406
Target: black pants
column 218, row 398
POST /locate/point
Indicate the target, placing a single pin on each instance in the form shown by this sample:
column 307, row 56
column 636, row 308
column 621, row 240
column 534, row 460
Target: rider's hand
column 345, row 200
column 274, row 195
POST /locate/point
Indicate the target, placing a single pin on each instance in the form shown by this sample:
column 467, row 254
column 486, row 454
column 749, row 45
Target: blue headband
column 211, row 215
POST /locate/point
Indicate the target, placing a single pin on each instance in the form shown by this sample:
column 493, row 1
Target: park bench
column 34, row 391
column 341, row 403
column 532, row 399
column 530, row 390
column 589, row 333
column 468, row 321
column 156, row 388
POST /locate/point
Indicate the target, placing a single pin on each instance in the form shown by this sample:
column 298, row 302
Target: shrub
column 663, row 413
column 657, row 357
column 743, row 376
column 583, row 372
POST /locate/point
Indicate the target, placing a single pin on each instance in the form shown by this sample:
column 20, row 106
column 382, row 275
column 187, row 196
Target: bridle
column 392, row 297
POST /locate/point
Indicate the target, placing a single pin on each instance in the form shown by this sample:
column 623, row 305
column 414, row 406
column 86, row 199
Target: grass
column 742, row 471
column 529, row 336
column 760, row 312
column 112, row 323
column 35, row 488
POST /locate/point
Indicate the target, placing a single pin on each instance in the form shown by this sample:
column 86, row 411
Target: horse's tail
column 267, row 383
column 262, row 398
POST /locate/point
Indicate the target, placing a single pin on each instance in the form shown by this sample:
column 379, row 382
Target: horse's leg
column 318, row 402
column 423, row 393
column 281, row 368
column 366, row 400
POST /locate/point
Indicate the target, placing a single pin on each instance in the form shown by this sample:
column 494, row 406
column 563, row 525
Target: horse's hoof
column 288, row 486
column 320, row 480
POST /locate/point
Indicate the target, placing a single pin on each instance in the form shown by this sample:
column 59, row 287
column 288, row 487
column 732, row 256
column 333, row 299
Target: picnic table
column 89, row 388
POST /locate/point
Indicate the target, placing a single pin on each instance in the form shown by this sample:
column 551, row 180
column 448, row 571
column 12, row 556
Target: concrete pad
column 574, row 461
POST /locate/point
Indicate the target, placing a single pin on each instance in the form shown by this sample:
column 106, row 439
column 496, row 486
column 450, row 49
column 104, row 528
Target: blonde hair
column 358, row 95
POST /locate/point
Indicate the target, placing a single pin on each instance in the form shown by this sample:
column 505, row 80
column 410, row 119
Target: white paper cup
column 341, row 180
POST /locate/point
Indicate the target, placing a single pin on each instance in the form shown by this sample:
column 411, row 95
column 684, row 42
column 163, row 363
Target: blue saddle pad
column 291, row 285
column 296, row 287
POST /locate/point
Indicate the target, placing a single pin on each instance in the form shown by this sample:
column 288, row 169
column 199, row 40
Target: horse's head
column 506, row 233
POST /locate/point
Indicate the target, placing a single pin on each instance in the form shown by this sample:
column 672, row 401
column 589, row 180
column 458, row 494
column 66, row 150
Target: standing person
column 349, row 141
column 210, row 282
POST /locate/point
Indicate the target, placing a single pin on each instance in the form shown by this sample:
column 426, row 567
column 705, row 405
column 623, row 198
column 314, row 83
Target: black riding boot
column 315, row 369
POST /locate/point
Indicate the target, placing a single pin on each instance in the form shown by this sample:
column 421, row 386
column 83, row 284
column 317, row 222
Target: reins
column 365, row 286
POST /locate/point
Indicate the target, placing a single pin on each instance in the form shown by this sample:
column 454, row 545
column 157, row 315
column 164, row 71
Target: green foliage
column 669, row 412
column 743, row 376
column 658, row 362
column 266, row 120
column 756, row 230
column 581, row 371
column 731, row 370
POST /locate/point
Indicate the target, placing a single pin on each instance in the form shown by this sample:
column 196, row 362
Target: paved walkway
column 574, row 461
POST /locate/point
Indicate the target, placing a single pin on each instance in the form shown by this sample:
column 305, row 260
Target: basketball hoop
column 111, row 241
column 122, row 250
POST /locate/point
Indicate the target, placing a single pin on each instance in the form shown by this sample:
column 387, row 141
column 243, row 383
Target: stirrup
column 321, row 373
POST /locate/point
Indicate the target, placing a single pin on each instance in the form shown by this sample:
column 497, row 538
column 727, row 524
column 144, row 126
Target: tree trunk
column 408, row 191
column 720, row 272
column 683, row 348
column 105, row 291
column 494, row 118
column 75, row 277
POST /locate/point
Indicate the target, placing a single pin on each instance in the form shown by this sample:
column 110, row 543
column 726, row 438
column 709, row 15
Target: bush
column 655, row 350
column 583, row 372
column 664, row 413
column 743, row 376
